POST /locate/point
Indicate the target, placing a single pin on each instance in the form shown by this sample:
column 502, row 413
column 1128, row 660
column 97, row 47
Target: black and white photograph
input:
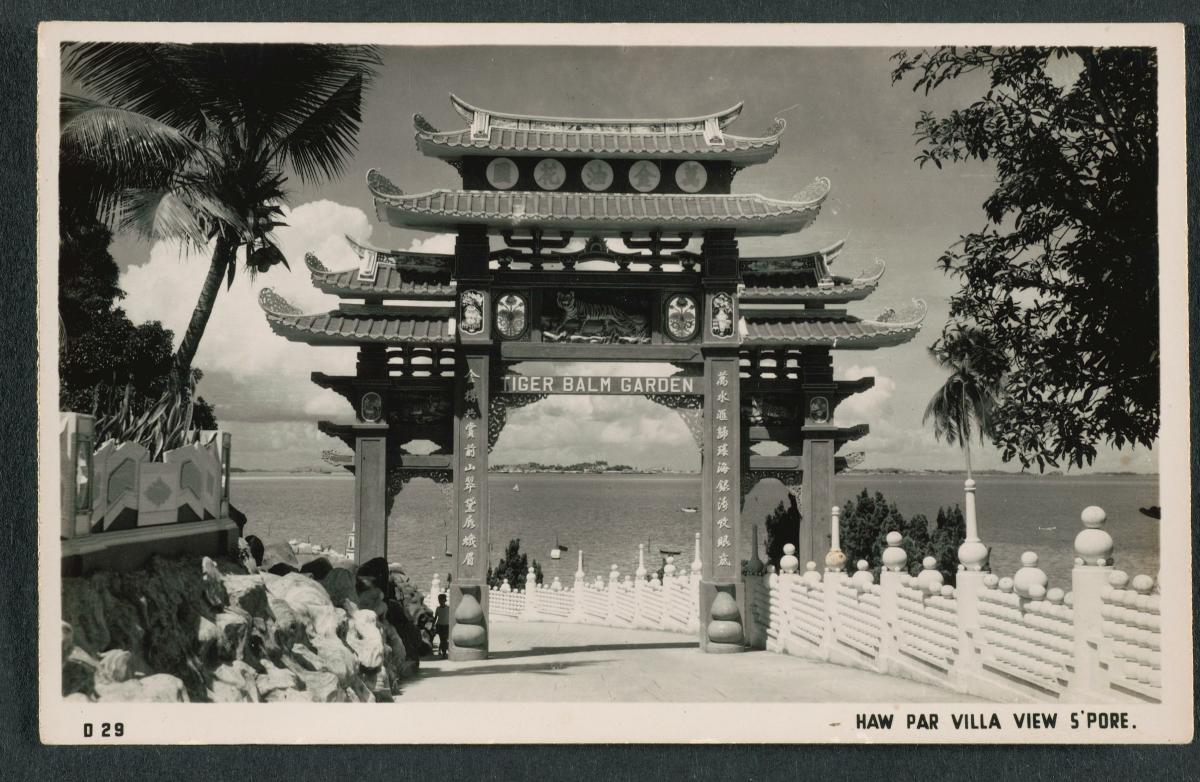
column 654, row 383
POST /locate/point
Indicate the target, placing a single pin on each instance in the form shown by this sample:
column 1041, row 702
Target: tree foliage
column 108, row 366
column 783, row 527
column 513, row 566
column 867, row 520
column 964, row 405
column 195, row 142
column 1061, row 282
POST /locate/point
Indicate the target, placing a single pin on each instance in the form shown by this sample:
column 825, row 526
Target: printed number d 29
column 107, row 730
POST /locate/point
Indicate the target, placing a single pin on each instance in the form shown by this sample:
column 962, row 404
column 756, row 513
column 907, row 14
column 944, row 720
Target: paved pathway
column 542, row 661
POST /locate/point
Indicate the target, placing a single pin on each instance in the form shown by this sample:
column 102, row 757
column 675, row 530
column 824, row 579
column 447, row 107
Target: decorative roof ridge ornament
column 724, row 118
column 423, row 125
column 866, row 277
column 314, row 264
column 814, row 192
column 274, row 304
column 831, row 253
column 908, row 317
column 775, row 129
column 380, row 185
column 855, row 458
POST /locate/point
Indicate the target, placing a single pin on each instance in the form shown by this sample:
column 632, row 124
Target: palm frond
column 153, row 79
column 164, row 214
column 124, row 146
column 318, row 146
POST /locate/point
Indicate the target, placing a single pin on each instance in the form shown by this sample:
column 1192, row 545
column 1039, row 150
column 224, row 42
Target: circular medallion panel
column 549, row 174
column 510, row 315
column 502, row 173
column 691, row 176
column 681, row 317
column 371, row 407
column 471, row 314
column 644, row 176
column 597, row 175
column 818, row 409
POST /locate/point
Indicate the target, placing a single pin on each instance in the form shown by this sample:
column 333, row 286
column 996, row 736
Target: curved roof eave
column 467, row 112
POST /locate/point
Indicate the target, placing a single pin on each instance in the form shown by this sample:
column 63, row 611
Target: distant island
column 597, row 467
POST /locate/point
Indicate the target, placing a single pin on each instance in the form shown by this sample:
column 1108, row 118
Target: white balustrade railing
column 1002, row 638
column 1008, row 639
column 643, row 601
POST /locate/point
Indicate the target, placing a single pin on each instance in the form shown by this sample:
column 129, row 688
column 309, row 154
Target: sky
column 846, row 121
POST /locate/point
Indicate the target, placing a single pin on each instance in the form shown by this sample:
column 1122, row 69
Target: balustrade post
column 639, row 589
column 972, row 565
column 577, row 613
column 694, row 590
column 529, row 610
column 788, row 567
column 1089, row 579
column 435, row 589
column 895, row 560
column 614, row 582
column 835, row 576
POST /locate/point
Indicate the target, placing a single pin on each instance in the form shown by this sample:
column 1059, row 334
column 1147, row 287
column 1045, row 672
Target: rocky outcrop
column 203, row 630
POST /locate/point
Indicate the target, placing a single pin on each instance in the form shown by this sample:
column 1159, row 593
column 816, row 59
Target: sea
column 606, row 516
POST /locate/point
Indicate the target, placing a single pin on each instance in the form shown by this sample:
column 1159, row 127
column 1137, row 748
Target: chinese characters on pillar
column 471, row 476
column 470, row 490
column 721, row 484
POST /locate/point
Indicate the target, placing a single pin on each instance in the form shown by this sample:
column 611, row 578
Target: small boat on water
column 689, row 509
column 1047, row 529
column 516, row 487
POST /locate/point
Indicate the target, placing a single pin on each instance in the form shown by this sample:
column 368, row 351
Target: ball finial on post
column 1093, row 546
column 894, row 556
column 835, row 559
column 788, row 563
column 1029, row 582
column 972, row 553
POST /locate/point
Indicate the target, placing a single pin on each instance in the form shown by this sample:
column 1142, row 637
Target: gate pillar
column 469, row 590
column 370, row 491
column 722, row 593
column 817, row 463
column 722, row 597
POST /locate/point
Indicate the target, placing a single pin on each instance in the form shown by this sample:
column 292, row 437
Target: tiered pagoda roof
column 501, row 133
column 409, row 298
column 397, row 274
column 811, row 328
column 599, row 214
column 351, row 325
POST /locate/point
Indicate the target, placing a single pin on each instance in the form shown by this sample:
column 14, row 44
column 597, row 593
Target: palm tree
column 195, row 142
column 964, row 405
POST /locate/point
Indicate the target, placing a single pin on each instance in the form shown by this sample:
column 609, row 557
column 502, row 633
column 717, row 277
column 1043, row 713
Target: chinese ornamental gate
column 576, row 240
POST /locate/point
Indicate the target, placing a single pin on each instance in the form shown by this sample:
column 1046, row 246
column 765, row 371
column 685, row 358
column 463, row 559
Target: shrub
column 514, row 566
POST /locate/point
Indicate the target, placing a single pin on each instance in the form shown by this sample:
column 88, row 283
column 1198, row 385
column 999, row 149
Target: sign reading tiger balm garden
column 597, row 384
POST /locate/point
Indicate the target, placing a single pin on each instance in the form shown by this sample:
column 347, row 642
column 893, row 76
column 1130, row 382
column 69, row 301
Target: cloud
column 565, row 429
column 869, row 406
column 437, row 243
column 251, row 373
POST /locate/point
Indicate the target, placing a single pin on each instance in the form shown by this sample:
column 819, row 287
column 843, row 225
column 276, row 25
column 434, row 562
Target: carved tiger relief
column 612, row 319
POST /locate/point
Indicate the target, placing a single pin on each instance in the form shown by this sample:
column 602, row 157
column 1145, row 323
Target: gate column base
column 722, row 612
column 468, row 622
